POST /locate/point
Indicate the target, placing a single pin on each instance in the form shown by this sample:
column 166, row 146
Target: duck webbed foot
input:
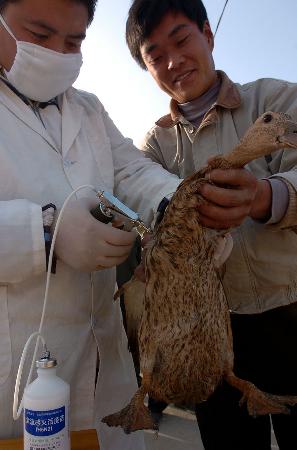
column 259, row 402
column 133, row 417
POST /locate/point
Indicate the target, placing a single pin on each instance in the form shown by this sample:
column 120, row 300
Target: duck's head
column 270, row 132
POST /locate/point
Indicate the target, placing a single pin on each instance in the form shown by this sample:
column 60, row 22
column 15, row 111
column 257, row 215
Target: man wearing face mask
column 53, row 139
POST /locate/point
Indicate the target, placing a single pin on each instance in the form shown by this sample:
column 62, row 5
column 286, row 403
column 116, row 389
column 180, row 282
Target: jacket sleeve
column 283, row 97
column 289, row 220
column 139, row 182
column 151, row 149
column 22, row 250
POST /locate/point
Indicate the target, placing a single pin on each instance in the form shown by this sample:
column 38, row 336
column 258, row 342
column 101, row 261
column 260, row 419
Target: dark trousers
column 265, row 350
column 156, row 406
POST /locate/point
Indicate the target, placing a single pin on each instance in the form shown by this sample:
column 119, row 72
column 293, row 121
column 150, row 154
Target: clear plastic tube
column 18, row 410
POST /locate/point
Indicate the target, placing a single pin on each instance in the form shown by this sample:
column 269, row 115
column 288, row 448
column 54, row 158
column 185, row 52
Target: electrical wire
column 221, row 16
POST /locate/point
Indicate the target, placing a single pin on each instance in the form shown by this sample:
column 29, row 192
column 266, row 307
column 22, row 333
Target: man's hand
column 234, row 195
column 86, row 244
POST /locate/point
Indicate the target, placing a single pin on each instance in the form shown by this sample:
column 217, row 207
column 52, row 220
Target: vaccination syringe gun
column 111, row 209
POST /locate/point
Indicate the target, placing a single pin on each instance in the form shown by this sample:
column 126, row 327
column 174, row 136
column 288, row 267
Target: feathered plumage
column 185, row 337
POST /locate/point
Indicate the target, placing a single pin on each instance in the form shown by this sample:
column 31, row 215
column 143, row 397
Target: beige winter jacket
column 261, row 272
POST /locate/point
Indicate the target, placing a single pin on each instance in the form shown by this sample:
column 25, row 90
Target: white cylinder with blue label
column 46, row 409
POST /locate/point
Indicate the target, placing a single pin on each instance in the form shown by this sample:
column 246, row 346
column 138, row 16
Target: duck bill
column 289, row 139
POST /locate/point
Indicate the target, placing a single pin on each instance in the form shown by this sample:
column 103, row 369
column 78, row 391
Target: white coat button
column 191, row 130
column 68, row 163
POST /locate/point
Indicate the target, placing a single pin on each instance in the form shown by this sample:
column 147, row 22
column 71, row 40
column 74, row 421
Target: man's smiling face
column 179, row 57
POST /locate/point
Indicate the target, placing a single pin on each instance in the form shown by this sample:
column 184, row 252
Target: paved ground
column 178, row 431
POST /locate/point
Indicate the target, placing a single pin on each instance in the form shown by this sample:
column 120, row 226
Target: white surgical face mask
column 40, row 73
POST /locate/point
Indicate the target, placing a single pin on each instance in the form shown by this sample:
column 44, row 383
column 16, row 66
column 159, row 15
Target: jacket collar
column 228, row 98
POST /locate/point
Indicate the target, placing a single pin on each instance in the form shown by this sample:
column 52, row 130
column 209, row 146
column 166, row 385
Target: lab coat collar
column 71, row 120
column 71, row 116
column 24, row 113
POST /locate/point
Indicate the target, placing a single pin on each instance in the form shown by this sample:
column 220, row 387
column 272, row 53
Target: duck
column 185, row 337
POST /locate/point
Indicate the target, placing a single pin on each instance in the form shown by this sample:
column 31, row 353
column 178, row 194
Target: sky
column 256, row 39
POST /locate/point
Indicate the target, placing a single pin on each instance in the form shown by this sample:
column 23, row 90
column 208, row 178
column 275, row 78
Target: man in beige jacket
column 53, row 139
column 208, row 115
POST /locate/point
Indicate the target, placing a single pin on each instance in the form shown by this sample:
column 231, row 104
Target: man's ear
column 208, row 34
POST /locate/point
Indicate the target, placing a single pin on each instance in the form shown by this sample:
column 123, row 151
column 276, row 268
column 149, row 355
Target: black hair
column 145, row 15
column 89, row 4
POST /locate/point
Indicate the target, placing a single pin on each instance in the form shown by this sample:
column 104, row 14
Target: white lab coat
column 81, row 317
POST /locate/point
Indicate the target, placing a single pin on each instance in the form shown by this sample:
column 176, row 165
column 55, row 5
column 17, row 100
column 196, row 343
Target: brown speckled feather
column 185, row 337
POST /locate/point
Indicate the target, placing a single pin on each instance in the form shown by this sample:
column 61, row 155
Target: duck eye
column 267, row 118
